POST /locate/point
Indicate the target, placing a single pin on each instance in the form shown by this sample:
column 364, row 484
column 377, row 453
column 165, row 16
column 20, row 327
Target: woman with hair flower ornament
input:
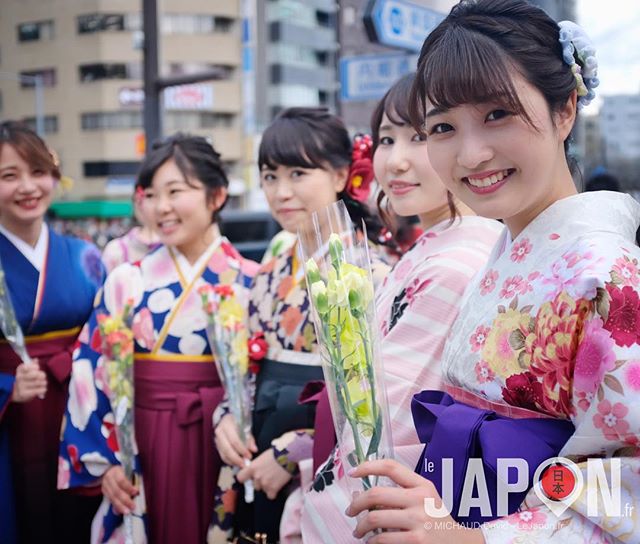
column 175, row 386
column 543, row 358
column 307, row 161
column 51, row 282
column 423, row 289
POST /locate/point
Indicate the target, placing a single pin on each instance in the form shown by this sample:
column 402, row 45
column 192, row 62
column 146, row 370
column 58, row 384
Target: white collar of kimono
column 35, row 255
column 189, row 270
column 595, row 211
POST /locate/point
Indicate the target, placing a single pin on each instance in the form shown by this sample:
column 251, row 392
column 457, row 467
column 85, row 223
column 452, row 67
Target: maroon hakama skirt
column 174, row 404
column 34, row 438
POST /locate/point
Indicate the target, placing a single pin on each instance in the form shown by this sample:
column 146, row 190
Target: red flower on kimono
column 624, row 310
column 223, row 290
column 551, row 349
column 258, row 349
column 96, row 340
column 523, row 390
column 74, row 457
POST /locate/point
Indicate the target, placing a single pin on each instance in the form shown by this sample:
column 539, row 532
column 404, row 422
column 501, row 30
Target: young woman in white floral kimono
column 544, row 359
column 417, row 303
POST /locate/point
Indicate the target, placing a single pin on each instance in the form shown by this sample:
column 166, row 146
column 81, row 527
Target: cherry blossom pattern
column 610, row 419
column 484, row 374
column 625, row 272
column 478, row 338
column 520, row 250
column 488, row 282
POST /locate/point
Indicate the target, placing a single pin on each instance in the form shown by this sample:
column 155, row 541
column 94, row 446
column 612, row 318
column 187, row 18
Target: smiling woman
column 536, row 364
column 38, row 265
column 176, row 385
column 307, row 161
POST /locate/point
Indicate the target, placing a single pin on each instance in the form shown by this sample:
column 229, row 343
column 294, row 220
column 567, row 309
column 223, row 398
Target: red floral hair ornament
column 139, row 195
column 361, row 170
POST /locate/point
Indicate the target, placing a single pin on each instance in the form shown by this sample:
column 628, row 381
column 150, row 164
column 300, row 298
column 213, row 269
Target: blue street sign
column 368, row 77
column 398, row 23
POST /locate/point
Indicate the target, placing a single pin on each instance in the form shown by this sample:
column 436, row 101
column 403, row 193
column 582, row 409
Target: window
column 108, row 22
column 183, row 68
column 223, row 24
column 50, row 123
column 93, row 169
column 284, row 53
column 292, row 10
column 46, row 75
column 115, row 70
column 187, row 23
column 190, row 120
column 33, row 32
column 111, row 120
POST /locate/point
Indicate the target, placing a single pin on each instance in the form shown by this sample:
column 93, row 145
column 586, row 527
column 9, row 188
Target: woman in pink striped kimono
column 416, row 305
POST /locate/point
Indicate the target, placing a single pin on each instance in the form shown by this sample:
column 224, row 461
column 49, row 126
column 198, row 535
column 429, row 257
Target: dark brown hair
column 395, row 104
column 194, row 156
column 314, row 138
column 471, row 55
column 29, row 146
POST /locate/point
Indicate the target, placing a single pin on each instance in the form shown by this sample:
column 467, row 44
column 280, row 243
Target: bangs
column 291, row 142
column 30, row 147
column 466, row 67
column 396, row 104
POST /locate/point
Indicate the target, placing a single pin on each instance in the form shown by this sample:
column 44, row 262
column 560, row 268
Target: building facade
column 620, row 123
column 295, row 56
column 88, row 57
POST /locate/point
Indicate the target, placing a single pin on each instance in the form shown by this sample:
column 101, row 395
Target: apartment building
column 88, row 58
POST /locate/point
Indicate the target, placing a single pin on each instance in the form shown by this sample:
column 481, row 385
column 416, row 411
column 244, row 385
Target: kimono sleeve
column 605, row 393
column 6, row 390
column 89, row 446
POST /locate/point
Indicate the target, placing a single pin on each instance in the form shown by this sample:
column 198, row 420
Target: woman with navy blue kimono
column 52, row 281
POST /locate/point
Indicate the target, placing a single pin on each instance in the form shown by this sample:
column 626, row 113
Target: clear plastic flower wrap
column 339, row 280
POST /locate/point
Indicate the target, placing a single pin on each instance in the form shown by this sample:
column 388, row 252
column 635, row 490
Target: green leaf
column 516, row 340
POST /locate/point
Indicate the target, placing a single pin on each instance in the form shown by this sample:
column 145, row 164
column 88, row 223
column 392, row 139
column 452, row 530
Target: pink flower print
column 414, row 288
column 511, row 286
column 595, row 357
column 585, row 398
column 488, row 282
column 483, row 373
column 218, row 262
column 520, row 250
column 632, row 375
column 143, row 329
column 402, row 270
column 527, row 520
column 478, row 338
column 572, row 258
column 626, row 271
column 554, row 236
column 611, row 420
column 524, row 287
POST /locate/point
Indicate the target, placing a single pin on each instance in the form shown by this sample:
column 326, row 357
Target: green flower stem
column 364, row 334
column 344, row 396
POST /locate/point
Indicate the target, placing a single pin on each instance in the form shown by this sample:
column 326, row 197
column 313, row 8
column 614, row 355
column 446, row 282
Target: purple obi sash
column 458, row 431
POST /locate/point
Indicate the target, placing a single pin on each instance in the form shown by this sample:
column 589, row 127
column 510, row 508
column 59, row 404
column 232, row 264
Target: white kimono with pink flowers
column 416, row 305
column 553, row 325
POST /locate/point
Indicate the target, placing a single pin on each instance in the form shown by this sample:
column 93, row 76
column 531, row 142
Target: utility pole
column 153, row 83
column 152, row 110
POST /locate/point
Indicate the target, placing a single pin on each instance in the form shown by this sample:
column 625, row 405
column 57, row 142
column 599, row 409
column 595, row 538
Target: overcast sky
column 614, row 26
